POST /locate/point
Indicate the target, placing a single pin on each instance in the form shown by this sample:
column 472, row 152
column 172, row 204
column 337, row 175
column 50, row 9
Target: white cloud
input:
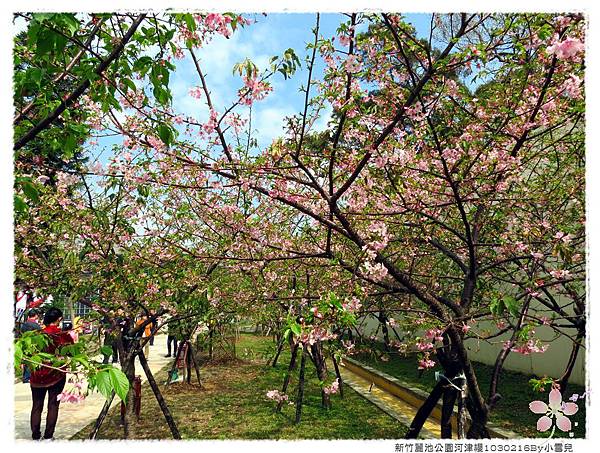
column 270, row 122
column 216, row 60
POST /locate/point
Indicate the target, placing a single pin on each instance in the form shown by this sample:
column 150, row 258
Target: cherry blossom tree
column 444, row 194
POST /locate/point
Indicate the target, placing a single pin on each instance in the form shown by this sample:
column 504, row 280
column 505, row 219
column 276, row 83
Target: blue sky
column 271, row 35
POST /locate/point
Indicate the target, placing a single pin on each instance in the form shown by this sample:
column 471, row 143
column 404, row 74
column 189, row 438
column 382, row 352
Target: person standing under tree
column 110, row 340
column 32, row 323
column 48, row 380
column 146, row 333
column 172, row 332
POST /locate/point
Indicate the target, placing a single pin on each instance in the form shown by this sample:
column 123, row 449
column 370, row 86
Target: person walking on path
column 110, row 340
column 147, row 333
column 172, row 333
column 48, row 380
column 32, row 323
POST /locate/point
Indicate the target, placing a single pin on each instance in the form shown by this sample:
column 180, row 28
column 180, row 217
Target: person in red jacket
column 48, row 380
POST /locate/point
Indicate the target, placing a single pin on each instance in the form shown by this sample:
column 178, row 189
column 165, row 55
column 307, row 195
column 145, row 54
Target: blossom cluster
column 568, row 49
column 530, row 346
column 333, row 388
column 255, row 90
column 278, row 396
column 316, row 334
column 74, row 394
column 426, row 363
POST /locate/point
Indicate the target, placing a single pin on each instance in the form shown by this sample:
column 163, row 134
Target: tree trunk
column 128, row 364
column 279, row 349
column 235, row 339
column 179, row 349
column 321, row 366
column 385, row 331
column 564, row 380
column 477, row 408
column 286, row 380
column 195, row 362
column 450, row 362
column 494, row 396
column 159, row 398
column 339, row 376
column 102, row 416
column 188, row 362
column 71, row 310
column 461, row 419
column 424, row 411
column 448, row 400
column 300, row 386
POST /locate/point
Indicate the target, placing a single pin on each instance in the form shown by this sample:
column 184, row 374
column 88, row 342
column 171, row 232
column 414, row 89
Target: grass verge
column 232, row 405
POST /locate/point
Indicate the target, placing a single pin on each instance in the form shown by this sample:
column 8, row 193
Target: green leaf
column 35, row 75
column 20, row 205
column 162, row 96
column 18, row 355
column 31, row 191
column 497, row 306
column 295, row 327
column 512, row 304
column 45, row 42
column 335, row 301
column 103, row 383
column 69, row 145
column 129, row 84
column 119, row 382
column 71, row 23
column 190, row 22
column 144, row 191
column 165, row 133
column 142, row 64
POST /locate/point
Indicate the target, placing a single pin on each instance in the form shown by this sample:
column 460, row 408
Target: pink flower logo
column 555, row 409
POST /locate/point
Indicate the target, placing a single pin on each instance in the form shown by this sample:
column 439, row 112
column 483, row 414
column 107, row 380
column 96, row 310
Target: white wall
column 551, row 363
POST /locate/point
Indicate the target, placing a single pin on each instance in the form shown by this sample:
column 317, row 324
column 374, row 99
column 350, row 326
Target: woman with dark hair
column 48, row 380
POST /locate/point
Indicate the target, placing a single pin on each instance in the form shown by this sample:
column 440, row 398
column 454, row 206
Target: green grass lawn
column 232, row 405
column 512, row 411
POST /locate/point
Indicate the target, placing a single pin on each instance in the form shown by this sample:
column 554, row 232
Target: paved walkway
column 390, row 404
column 74, row 417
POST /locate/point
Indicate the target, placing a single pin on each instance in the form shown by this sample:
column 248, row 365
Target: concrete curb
column 403, row 419
column 410, row 394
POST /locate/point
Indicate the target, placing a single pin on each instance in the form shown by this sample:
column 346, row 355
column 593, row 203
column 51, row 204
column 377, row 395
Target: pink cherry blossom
column 196, row 92
column 537, row 255
column 572, row 87
column 353, row 305
column 567, row 49
column 559, row 273
column 211, row 124
column 276, row 395
column 348, row 345
column 376, row 271
column 434, row 334
column 555, row 409
column 352, row 64
column 392, row 322
column 315, row 312
column 333, row 388
column 426, row 363
column 530, row 346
